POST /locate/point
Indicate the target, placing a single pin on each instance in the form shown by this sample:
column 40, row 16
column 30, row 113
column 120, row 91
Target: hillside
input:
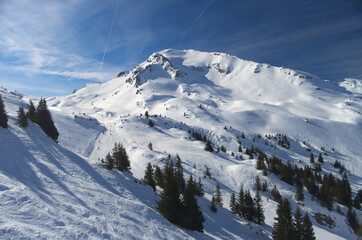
column 62, row 190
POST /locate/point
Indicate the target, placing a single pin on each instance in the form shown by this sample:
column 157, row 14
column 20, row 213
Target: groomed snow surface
column 62, row 191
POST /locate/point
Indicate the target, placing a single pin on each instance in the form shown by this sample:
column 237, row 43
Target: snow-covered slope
column 215, row 94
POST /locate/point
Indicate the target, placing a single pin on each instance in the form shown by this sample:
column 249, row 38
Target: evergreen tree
column 159, row 179
column 298, row 224
column 264, row 187
column 352, row 219
column 146, row 114
column 208, row 146
column 283, row 227
column 213, row 205
column 150, row 146
column 3, row 115
column 22, row 120
column 148, row 178
column 199, row 189
column 311, row 160
column 218, row 197
column 45, row 121
column 257, row 184
column 276, row 195
column 109, row 162
column 240, row 204
column 120, row 158
column 260, row 163
column 249, row 206
column 320, row 158
column 358, row 200
column 31, row 114
column 179, row 175
column 259, row 211
column 308, row 232
column 170, row 205
column 194, row 217
column 240, row 149
column 150, row 123
column 300, row 195
column 233, row 204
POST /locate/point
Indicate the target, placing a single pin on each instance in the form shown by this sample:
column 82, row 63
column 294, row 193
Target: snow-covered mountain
column 62, row 191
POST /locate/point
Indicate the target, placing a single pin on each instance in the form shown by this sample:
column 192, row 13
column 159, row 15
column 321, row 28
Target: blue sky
column 53, row 47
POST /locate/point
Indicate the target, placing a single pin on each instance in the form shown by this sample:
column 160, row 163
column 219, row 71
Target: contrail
column 109, row 35
column 203, row 11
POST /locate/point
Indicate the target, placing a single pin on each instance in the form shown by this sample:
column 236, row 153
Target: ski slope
column 61, row 191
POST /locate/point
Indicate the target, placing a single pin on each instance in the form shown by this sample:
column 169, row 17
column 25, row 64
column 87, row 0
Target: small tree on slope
column 45, row 121
column 3, row 115
column 22, row 120
column 194, row 217
column 149, row 179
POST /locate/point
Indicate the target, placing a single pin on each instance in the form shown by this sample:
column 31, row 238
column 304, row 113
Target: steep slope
column 217, row 95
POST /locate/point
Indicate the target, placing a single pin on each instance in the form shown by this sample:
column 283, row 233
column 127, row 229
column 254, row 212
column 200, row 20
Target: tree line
column 39, row 115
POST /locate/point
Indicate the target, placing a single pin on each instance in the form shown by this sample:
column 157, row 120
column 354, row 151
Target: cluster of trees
column 178, row 203
column 40, row 115
column 288, row 227
column 326, row 188
column 245, row 206
column 117, row 159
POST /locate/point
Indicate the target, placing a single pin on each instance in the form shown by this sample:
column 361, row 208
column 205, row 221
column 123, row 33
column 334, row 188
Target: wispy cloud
column 204, row 10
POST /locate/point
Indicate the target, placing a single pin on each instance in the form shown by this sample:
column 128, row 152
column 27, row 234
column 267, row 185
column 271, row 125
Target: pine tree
column 276, row 195
column 240, row 149
column 320, row 158
column 3, row 115
column 213, row 205
column 283, row 227
column 150, row 146
column 109, row 162
column 148, row 178
column 257, row 184
column 300, row 195
column 259, row 211
column 233, row 205
column 22, row 120
column 249, row 206
column 146, row 114
column 199, row 189
column 208, row 146
column 170, row 205
column 218, row 197
column 260, row 163
column 311, row 160
column 308, row 232
column 241, row 203
column 194, row 217
column 352, row 219
column 120, row 157
column 45, row 121
column 298, row 224
column 150, row 123
column 179, row 175
column 31, row 114
column 159, row 179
